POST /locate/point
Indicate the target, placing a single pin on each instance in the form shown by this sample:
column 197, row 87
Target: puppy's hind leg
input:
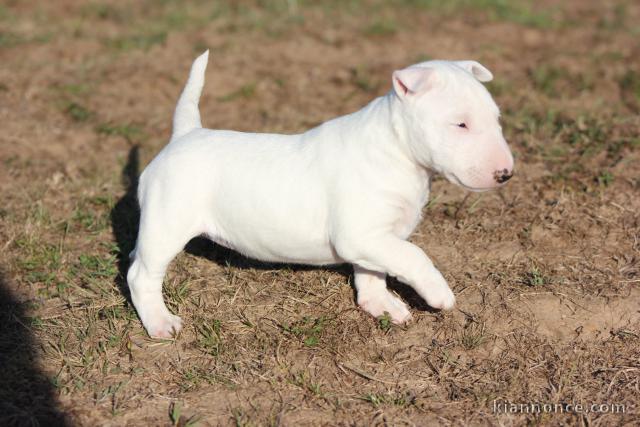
column 157, row 245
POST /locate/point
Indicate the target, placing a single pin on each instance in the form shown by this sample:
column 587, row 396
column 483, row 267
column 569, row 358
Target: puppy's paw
column 436, row 291
column 165, row 326
column 440, row 297
column 379, row 304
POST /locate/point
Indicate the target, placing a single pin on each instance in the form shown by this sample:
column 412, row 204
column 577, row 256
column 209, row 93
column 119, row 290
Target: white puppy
column 348, row 191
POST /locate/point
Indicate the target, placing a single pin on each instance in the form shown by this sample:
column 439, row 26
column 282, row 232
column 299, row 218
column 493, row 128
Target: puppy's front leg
column 375, row 299
column 400, row 259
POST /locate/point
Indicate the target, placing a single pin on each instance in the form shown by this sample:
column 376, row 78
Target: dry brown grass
column 546, row 271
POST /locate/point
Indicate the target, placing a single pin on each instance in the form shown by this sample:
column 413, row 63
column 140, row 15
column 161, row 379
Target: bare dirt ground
column 546, row 271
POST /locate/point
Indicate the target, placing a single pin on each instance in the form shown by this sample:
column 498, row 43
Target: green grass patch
column 12, row 39
column 5, row 14
column 519, row 12
column 102, row 11
column 75, row 89
column 364, row 80
column 92, row 214
column 138, row 41
column 209, row 336
column 309, row 329
column 180, row 420
column 246, row 91
column 535, row 278
column 629, row 85
column 132, row 133
column 304, row 381
column 384, row 322
column 630, row 82
column 97, row 266
column 473, row 335
column 193, row 377
column 384, row 27
column 604, row 179
column 545, row 79
column 40, row 262
column 9, row 39
column 390, row 399
column 78, row 112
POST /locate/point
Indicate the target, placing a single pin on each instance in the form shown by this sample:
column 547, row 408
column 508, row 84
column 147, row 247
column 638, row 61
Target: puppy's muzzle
column 502, row 176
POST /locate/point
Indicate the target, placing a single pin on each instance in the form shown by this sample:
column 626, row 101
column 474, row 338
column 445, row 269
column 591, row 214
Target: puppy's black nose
column 502, row 176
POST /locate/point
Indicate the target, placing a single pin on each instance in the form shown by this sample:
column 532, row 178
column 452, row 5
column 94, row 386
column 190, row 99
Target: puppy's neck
column 395, row 141
column 377, row 132
column 380, row 126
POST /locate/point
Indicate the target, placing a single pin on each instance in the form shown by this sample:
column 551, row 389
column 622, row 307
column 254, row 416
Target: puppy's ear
column 478, row 70
column 413, row 80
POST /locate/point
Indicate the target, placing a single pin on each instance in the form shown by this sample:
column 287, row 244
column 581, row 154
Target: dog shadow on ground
column 27, row 396
column 125, row 219
column 205, row 248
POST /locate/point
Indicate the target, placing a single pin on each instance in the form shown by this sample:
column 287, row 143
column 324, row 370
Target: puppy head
column 452, row 123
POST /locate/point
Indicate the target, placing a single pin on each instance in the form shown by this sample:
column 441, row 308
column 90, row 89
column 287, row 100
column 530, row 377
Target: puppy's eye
column 462, row 125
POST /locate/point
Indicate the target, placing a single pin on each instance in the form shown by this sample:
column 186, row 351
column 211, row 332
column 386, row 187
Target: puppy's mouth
column 455, row 180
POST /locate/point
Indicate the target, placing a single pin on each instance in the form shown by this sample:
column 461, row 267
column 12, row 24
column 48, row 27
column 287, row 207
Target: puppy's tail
column 187, row 116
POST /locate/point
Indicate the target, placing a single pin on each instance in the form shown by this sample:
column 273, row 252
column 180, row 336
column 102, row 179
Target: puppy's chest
column 409, row 212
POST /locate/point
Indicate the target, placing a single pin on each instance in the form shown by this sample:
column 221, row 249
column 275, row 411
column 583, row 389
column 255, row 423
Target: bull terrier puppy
column 348, row 191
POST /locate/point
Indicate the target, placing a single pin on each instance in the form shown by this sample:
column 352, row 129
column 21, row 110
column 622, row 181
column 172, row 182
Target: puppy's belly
column 276, row 234
column 283, row 246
